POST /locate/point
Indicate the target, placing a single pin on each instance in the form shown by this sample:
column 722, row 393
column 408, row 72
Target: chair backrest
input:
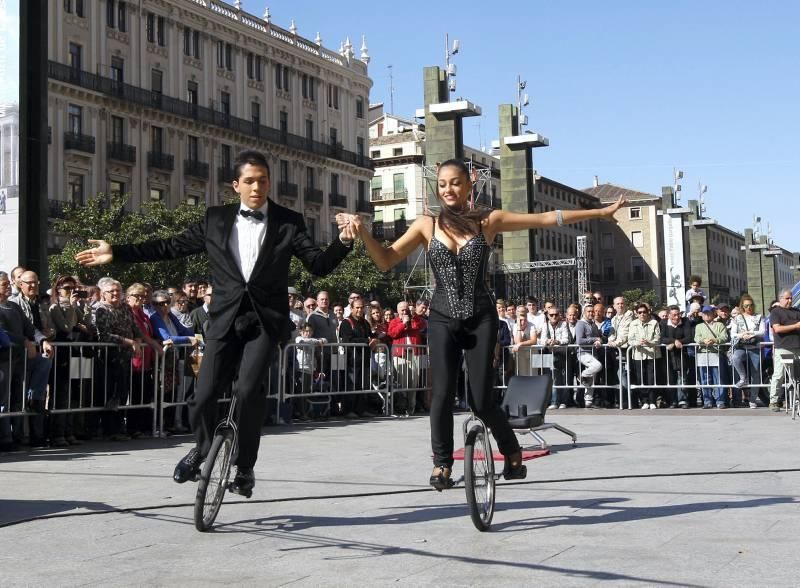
column 532, row 392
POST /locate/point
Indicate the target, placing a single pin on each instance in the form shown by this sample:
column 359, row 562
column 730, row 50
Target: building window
column 225, row 103
column 224, row 55
column 191, row 43
column 309, row 129
column 194, row 148
column 378, row 216
column 283, row 123
column 397, row 151
column 75, row 119
column 362, row 191
column 284, row 171
column 399, row 214
column 360, row 146
column 607, row 241
column 334, row 136
column 334, row 183
column 157, row 194
column 399, row 183
column 157, row 139
column 255, row 113
column 635, row 212
column 637, row 239
column 310, row 177
column 376, row 186
column 637, row 268
column 375, row 153
column 150, row 27
column 282, row 77
column 75, row 187
column 192, row 93
column 333, row 96
column 359, row 107
column 117, row 130
column 122, row 17
column 304, row 85
column 117, row 69
column 157, row 81
column 110, row 13
column 225, row 156
column 116, row 189
column 75, row 54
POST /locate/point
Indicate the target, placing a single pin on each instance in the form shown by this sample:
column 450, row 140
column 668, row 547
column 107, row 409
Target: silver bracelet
column 559, row 218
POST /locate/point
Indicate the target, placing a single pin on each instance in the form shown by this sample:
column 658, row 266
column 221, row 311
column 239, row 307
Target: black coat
column 286, row 236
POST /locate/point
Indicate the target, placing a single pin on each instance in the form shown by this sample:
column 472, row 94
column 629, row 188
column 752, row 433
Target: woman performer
column 463, row 315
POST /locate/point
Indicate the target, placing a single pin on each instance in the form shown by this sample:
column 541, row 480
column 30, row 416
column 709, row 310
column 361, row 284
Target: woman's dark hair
column 464, row 221
column 252, row 157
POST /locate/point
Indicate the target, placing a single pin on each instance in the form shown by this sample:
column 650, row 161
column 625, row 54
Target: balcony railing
column 313, row 195
column 378, row 196
column 196, row 169
column 363, row 206
column 337, row 200
column 287, row 189
column 79, row 142
column 149, row 99
column 159, row 160
column 225, row 174
column 121, row 152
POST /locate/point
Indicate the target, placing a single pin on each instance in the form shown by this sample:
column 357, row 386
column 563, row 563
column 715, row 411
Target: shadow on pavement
column 12, row 511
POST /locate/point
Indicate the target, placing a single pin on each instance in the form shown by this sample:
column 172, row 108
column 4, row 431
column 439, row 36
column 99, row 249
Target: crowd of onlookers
column 98, row 346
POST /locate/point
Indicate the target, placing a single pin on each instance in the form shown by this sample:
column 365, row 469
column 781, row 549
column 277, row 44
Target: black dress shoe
column 244, row 482
column 188, row 468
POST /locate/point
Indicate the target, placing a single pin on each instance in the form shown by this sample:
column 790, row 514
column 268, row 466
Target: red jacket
column 406, row 335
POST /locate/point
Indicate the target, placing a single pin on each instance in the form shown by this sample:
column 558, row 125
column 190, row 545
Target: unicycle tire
column 479, row 477
column 213, row 480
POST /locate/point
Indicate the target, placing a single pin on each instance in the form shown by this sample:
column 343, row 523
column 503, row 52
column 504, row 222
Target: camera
column 80, row 294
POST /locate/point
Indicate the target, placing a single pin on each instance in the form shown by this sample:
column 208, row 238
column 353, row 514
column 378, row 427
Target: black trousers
column 477, row 337
column 218, row 370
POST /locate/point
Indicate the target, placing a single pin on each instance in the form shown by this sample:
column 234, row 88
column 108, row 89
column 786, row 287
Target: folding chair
column 525, row 402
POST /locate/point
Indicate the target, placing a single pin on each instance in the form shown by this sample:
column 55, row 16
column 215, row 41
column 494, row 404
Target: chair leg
column 566, row 432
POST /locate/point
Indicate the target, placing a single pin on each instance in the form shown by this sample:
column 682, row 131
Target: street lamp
column 701, row 207
column 677, row 175
column 522, row 101
column 450, row 68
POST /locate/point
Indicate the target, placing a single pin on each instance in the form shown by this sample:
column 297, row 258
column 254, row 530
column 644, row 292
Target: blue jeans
column 709, row 376
column 748, row 367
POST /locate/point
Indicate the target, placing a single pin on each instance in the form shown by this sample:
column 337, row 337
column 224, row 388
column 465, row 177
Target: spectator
column 523, row 335
column 503, row 360
column 147, row 300
column 351, row 299
column 388, row 315
column 405, row 333
column 68, row 322
column 199, row 315
column 785, row 322
column 355, row 329
column 618, row 339
column 695, row 292
column 201, row 293
column 723, row 315
column 324, row 325
column 309, row 306
column 115, row 324
column 662, row 314
column 190, row 290
column 378, row 341
column 535, row 316
column 553, row 336
column 747, row 332
column 305, row 361
column 644, row 336
column 180, row 310
column 511, row 315
column 590, row 339
column 176, row 338
column 709, row 336
column 16, row 276
column 676, row 334
column 297, row 316
column 502, row 314
column 572, row 365
column 142, row 378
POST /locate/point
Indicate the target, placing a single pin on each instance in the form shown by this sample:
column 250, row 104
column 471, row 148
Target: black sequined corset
column 460, row 290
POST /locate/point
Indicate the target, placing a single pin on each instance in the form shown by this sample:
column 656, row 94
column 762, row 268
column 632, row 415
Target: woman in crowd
column 747, row 331
column 115, row 324
column 462, row 311
column 644, row 336
column 176, row 338
column 590, row 339
column 142, row 383
column 378, row 337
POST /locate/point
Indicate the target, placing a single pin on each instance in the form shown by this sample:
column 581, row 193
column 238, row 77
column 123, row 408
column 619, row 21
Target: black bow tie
column 255, row 214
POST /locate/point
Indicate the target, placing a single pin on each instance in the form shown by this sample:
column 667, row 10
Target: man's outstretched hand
column 99, row 255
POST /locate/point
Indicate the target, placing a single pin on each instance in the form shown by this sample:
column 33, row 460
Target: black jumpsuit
column 463, row 317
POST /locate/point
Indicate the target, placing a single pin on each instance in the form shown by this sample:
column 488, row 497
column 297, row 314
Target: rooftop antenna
column 702, row 189
column 450, row 68
column 391, row 89
column 677, row 176
column 522, row 101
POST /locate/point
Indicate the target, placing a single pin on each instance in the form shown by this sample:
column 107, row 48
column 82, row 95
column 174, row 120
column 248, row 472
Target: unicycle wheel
column 479, row 480
column 213, row 480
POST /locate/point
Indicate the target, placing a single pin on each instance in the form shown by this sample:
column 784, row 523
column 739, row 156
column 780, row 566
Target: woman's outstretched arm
column 386, row 258
column 500, row 221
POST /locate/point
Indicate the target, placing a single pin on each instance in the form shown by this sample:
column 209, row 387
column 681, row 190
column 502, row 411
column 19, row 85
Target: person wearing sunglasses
column 644, row 336
column 747, row 331
column 554, row 336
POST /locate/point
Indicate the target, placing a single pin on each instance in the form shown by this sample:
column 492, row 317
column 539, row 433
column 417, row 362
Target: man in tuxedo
column 249, row 247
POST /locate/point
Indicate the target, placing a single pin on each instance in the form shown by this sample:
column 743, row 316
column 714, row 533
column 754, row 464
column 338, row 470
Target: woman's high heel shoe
column 514, row 468
column 440, row 478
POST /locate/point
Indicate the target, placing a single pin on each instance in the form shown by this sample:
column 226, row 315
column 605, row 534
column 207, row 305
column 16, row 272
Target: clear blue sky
column 623, row 89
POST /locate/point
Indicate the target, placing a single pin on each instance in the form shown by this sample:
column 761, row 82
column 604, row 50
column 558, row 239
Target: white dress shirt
column 246, row 240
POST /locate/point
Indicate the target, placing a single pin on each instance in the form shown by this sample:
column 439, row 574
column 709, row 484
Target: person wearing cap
column 709, row 335
column 723, row 311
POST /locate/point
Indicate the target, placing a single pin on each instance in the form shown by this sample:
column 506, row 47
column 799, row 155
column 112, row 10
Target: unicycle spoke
column 479, row 479
column 213, row 480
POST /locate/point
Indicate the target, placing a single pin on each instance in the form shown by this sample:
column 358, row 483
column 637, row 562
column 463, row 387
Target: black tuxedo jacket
column 286, row 236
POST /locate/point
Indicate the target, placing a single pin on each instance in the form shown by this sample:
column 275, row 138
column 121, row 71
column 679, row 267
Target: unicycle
column 216, row 470
column 479, row 476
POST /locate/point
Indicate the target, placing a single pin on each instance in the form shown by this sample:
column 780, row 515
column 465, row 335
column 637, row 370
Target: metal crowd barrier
column 694, row 367
column 320, row 372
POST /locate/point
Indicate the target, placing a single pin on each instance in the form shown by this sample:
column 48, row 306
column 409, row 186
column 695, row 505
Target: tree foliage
column 637, row 295
column 357, row 272
column 104, row 217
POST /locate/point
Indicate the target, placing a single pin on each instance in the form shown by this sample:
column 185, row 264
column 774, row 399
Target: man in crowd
column 676, row 334
column 350, row 300
column 298, row 317
column 405, row 331
column 190, row 290
column 535, row 316
column 16, row 275
column 324, row 325
column 785, row 322
column 200, row 314
column 355, row 329
column 553, row 335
